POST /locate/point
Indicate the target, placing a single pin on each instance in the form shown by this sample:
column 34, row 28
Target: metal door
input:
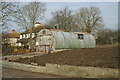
column 45, row 43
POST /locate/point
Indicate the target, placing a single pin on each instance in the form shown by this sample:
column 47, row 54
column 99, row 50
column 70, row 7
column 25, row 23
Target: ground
column 13, row 73
column 101, row 56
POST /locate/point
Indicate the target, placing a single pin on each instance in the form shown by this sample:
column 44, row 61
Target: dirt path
column 13, row 73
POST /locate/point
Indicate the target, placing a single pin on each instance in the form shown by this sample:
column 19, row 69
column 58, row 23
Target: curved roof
column 57, row 30
column 82, row 33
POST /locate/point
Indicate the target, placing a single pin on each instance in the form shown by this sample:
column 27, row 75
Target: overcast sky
column 109, row 11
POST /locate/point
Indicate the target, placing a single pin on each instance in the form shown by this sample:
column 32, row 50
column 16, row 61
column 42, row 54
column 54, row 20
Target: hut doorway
column 45, row 43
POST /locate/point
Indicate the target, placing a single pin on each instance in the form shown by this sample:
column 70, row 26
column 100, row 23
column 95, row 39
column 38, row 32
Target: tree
column 29, row 14
column 7, row 10
column 64, row 19
column 107, row 36
column 89, row 19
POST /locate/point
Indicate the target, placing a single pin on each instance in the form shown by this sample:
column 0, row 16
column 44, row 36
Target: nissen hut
column 58, row 39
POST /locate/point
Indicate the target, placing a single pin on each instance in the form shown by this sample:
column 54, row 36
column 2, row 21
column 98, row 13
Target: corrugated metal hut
column 58, row 39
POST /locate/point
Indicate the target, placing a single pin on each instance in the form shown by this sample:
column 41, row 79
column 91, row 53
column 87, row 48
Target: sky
column 109, row 11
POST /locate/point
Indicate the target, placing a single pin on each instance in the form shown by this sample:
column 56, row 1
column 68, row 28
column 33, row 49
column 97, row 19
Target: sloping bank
column 65, row 70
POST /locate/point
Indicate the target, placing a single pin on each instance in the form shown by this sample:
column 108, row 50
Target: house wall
column 10, row 41
column 31, row 40
column 13, row 41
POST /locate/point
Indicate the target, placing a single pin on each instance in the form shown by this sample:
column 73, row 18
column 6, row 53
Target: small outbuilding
column 59, row 39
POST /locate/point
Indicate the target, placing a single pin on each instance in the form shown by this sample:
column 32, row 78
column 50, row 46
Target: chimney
column 37, row 24
column 13, row 31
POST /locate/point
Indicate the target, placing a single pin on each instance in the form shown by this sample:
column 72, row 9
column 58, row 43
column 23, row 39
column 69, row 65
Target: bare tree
column 29, row 14
column 108, row 36
column 89, row 19
column 64, row 19
column 7, row 10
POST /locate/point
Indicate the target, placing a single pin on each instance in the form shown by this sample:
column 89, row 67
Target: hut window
column 80, row 36
column 43, row 32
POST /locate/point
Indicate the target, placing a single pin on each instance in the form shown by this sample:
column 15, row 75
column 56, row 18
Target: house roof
column 34, row 29
column 13, row 34
column 39, row 27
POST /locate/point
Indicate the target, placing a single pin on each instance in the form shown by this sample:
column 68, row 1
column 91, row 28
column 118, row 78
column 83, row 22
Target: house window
column 29, row 35
column 20, row 36
column 23, row 35
column 33, row 35
column 80, row 36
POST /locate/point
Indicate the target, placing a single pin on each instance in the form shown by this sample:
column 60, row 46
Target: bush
column 8, row 50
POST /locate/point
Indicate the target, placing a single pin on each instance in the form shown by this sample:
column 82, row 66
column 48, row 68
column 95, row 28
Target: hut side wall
column 66, row 40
